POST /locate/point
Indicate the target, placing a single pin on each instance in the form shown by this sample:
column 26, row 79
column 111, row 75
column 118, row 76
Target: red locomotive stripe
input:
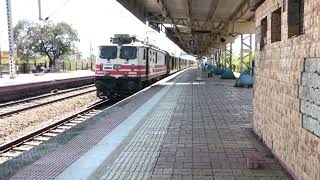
column 122, row 73
column 125, row 73
column 135, row 67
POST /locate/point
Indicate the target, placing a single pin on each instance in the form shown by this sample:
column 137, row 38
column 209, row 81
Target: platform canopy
column 197, row 26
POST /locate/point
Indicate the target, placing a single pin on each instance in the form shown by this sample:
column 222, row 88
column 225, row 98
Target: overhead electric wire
column 57, row 9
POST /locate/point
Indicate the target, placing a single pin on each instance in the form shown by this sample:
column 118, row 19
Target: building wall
column 4, row 56
column 280, row 76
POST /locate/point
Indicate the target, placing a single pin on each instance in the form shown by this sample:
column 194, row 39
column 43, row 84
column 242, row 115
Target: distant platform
column 42, row 77
column 27, row 85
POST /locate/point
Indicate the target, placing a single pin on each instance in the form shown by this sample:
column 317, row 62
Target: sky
column 95, row 20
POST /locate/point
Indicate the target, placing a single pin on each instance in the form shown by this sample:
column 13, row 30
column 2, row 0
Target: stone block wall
column 287, row 90
column 309, row 94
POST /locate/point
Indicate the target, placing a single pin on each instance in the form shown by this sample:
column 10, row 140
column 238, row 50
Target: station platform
column 42, row 77
column 178, row 129
column 27, row 85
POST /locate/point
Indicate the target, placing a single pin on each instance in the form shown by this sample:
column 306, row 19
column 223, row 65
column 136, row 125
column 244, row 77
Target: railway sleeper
column 41, row 138
column 57, row 130
column 70, row 124
column 49, row 134
column 64, row 127
column 76, row 121
column 11, row 154
column 32, row 143
column 21, row 148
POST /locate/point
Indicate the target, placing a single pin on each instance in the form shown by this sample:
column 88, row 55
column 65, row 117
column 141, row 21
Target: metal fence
column 24, row 68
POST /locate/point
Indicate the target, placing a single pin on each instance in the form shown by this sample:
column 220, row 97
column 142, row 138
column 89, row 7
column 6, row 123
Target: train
column 127, row 65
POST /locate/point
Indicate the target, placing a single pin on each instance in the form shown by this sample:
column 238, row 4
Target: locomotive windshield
column 128, row 52
column 108, row 52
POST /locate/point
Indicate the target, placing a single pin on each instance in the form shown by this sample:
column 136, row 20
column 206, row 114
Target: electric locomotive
column 128, row 64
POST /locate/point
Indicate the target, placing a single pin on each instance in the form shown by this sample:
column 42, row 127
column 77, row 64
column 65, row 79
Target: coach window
column 144, row 54
column 156, row 57
column 175, row 63
column 172, row 63
column 295, row 17
column 150, row 55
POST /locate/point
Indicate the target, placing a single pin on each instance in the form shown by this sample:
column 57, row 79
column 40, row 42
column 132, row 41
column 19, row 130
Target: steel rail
column 41, row 104
column 29, row 137
column 44, row 96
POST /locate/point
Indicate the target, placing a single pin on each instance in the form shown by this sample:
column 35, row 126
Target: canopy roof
column 197, row 26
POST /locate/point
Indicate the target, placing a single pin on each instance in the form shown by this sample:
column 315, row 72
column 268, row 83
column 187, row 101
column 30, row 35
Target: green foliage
column 23, row 42
column 51, row 40
column 236, row 62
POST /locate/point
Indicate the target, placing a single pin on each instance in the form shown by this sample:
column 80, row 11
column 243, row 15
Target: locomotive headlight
column 132, row 67
column 101, row 66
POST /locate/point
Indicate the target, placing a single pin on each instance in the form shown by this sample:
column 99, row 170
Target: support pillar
column 228, row 73
column 220, row 58
column 246, row 79
column 200, row 63
column 225, row 57
column 246, row 51
column 217, row 58
column 12, row 67
column 219, row 69
column 228, row 55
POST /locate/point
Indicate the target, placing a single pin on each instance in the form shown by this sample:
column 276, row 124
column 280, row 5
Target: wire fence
column 25, row 68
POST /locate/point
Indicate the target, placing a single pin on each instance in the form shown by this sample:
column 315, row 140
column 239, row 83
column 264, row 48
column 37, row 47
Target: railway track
column 25, row 143
column 10, row 108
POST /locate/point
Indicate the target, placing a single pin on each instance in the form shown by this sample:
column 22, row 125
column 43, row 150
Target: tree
column 23, row 42
column 51, row 40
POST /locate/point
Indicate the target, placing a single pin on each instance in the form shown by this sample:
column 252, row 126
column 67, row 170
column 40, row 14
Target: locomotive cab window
column 108, row 52
column 128, row 52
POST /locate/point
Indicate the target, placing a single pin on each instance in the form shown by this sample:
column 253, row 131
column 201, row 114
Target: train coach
column 128, row 65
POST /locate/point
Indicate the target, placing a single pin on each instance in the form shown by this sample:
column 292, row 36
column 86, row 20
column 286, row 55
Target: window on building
column 264, row 28
column 295, row 18
column 276, row 25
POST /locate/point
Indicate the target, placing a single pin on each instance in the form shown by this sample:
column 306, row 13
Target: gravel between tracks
column 17, row 125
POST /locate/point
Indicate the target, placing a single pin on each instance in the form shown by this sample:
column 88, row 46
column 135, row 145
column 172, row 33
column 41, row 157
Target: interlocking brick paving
column 198, row 130
column 210, row 136
column 49, row 159
column 204, row 134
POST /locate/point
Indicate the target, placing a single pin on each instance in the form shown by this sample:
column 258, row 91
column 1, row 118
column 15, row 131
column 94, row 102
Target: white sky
column 95, row 21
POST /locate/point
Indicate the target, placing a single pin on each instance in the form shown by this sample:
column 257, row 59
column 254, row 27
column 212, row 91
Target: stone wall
column 286, row 94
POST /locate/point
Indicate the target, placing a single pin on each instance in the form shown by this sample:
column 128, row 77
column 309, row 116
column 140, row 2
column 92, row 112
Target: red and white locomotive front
column 127, row 65
column 120, row 61
column 119, row 69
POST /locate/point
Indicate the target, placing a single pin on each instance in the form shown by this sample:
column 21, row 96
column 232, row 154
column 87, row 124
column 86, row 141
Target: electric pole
column 11, row 41
column 0, row 62
column 91, row 56
column 39, row 6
